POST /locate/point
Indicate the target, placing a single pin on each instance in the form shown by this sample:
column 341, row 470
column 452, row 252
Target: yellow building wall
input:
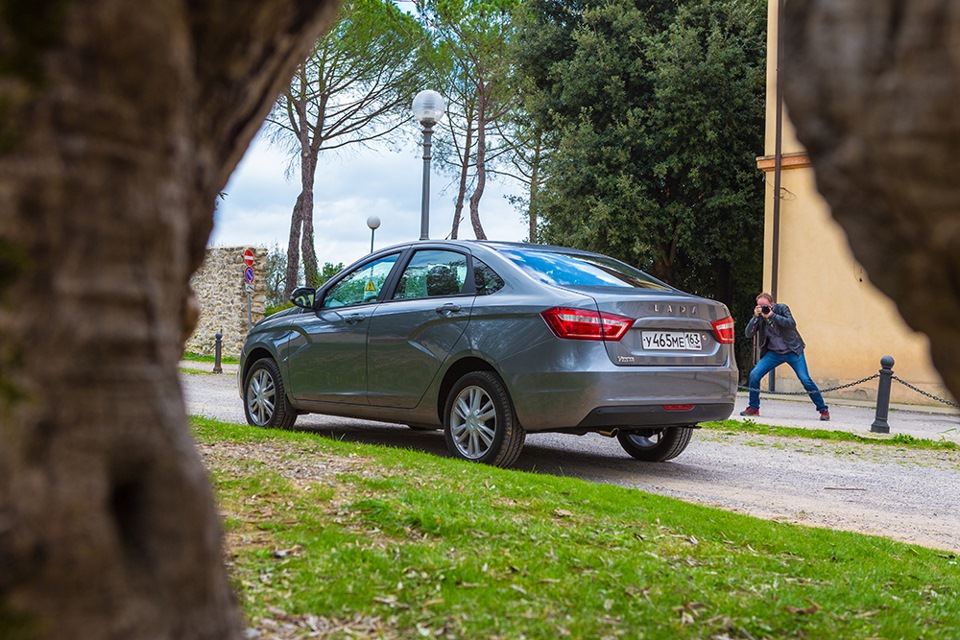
column 846, row 322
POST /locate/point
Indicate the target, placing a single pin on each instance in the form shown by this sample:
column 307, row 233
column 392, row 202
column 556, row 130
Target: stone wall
column 220, row 288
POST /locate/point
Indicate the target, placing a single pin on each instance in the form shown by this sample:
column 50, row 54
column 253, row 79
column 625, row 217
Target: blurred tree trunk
column 121, row 122
column 872, row 88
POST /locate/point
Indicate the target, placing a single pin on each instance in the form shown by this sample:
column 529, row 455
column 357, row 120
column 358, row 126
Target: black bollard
column 883, row 396
column 218, row 350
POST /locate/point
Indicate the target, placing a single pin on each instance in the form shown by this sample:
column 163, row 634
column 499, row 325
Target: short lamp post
column 374, row 223
column 428, row 108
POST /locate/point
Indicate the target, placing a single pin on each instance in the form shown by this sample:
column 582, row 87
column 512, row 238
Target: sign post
column 248, row 259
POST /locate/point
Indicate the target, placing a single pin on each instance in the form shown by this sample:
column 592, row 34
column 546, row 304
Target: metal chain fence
column 886, row 377
column 924, row 393
column 805, row 393
column 853, row 384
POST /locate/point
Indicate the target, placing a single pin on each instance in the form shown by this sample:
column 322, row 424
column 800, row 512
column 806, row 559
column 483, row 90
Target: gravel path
column 906, row 494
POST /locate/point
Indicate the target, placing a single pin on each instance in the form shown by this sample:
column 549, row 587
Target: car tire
column 655, row 445
column 265, row 398
column 479, row 422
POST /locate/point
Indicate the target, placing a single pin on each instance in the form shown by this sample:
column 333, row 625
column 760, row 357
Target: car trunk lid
column 669, row 329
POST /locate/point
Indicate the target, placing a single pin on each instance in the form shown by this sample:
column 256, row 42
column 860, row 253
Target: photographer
column 780, row 342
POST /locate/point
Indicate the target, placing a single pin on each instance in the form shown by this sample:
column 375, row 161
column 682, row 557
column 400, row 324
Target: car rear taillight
column 724, row 330
column 583, row 324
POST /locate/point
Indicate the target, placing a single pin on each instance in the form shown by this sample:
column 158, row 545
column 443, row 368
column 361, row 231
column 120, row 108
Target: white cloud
column 349, row 188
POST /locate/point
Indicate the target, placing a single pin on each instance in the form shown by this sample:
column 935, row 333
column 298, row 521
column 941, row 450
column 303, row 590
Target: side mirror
column 304, row 297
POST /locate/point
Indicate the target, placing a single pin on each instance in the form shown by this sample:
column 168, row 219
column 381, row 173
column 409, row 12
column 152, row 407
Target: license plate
column 671, row 341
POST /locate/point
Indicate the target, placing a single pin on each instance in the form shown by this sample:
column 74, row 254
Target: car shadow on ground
column 588, row 457
column 378, row 433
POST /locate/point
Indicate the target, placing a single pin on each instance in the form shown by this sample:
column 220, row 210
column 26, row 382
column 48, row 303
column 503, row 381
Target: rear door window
column 432, row 273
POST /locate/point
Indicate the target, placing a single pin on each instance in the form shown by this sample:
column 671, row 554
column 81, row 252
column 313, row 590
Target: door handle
column 448, row 308
column 354, row 318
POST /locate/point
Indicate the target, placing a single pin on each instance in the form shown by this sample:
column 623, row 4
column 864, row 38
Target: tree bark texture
column 872, row 89
column 301, row 234
column 300, row 243
column 462, row 185
column 120, row 121
column 308, row 251
column 292, row 274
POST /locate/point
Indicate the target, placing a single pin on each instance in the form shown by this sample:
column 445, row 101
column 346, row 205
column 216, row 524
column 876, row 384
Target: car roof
column 495, row 245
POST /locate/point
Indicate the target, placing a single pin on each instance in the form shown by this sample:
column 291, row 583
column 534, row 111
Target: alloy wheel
column 473, row 422
column 261, row 397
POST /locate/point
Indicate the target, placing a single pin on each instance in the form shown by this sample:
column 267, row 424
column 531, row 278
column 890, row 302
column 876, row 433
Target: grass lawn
column 345, row 540
column 189, row 356
column 896, row 440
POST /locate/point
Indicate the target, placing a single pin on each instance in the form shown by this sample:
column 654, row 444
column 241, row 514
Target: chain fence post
column 883, row 396
column 218, row 351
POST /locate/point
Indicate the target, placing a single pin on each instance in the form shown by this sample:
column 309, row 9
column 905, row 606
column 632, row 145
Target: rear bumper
column 653, row 416
column 591, row 393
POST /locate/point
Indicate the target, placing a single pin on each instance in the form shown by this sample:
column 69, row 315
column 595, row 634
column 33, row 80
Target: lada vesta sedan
column 490, row 341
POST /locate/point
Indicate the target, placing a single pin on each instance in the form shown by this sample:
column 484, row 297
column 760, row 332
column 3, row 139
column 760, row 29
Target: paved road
column 905, row 494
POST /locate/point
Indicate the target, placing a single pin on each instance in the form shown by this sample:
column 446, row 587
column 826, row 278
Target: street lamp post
column 374, row 223
column 428, row 108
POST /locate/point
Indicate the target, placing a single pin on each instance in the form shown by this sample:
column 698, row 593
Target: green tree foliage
column 326, row 272
column 656, row 114
column 354, row 88
column 276, row 271
column 473, row 62
column 525, row 146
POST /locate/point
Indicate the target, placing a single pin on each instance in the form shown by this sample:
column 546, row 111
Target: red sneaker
column 825, row 415
column 750, row 411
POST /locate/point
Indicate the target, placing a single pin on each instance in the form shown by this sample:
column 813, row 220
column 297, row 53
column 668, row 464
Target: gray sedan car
column 490, row 341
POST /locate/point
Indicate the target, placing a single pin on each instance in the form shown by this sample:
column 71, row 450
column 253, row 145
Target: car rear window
column 577, row 270
column 486, row 279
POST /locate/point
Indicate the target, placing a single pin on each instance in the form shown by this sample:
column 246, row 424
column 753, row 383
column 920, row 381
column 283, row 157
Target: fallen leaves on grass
column 804, row 611
column 282, row 626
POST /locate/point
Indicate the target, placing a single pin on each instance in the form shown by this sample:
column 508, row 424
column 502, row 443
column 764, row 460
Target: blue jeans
column 770, row 361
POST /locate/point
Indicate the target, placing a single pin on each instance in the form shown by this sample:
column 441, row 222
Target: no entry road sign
column 248, row 258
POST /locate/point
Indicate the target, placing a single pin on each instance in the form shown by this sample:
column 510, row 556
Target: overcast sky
column 349, row 188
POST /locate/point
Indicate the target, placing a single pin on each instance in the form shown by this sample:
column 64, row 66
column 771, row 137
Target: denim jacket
column 785, row 323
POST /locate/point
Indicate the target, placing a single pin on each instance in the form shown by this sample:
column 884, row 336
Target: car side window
column 486, row 279
column 432, row 273
column 361, row 285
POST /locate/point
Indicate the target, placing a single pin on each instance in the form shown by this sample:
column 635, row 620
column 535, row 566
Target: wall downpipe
column 777, row 169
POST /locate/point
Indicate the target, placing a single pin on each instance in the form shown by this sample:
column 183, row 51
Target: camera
column 765, row 309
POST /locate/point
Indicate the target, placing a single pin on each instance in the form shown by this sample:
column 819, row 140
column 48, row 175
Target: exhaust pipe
column 610, row 434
